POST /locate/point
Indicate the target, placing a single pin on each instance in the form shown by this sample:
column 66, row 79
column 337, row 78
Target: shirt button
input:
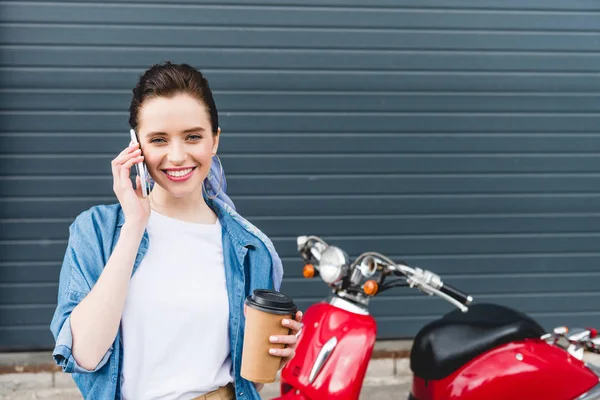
column 241, row 393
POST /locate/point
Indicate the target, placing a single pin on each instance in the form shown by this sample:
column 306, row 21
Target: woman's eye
column 157, row 140
column 194, row 137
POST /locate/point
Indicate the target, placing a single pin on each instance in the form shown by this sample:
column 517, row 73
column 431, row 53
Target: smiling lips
column 179, row 174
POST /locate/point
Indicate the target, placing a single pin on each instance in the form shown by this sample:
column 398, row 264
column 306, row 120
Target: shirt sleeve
column 82, row 262
column 64, row 357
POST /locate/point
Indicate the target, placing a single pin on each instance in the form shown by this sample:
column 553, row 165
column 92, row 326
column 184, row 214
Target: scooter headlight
column 331, row 265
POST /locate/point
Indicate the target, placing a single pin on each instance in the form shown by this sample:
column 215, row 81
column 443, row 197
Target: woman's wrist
column 136, row 229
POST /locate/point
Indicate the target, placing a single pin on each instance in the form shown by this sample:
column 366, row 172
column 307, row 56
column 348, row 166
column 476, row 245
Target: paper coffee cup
column 266, row 309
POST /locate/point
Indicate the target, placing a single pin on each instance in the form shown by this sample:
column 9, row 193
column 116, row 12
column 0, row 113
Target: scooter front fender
column 332, row 355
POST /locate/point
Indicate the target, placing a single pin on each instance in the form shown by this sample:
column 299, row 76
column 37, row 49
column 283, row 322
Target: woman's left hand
column 290, row 340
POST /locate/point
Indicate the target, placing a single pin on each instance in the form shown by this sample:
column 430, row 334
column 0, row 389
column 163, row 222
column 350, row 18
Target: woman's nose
column 176, row 154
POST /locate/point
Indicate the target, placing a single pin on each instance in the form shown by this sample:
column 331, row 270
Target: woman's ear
column 216, row 139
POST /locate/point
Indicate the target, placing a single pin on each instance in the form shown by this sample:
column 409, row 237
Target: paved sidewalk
column 386, row 389
column 386, row 378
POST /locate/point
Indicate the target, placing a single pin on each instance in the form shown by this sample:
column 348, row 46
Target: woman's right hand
column 135, row 206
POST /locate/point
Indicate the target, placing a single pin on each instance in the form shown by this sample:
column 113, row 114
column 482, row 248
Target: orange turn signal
column 309, row 271
column 370, row 288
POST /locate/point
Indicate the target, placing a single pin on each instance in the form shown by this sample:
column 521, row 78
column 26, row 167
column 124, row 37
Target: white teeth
column 179, row 173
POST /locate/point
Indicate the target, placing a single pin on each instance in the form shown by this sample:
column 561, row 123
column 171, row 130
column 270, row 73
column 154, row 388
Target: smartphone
column 141, row 169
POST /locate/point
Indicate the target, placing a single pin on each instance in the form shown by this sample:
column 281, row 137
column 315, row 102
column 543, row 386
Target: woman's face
column 177, row 142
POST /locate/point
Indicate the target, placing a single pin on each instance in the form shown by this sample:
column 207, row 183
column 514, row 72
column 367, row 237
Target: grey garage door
column 458, row 135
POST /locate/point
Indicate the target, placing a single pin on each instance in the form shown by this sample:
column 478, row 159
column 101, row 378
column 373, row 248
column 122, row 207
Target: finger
column 299, row 316
column 288, row 352
column 132, row 147
column 121, row 159
column 125, row 171
column 286, row 339
column 133, row 160
column 116, row 165
column 138, row 186
column 295, row 326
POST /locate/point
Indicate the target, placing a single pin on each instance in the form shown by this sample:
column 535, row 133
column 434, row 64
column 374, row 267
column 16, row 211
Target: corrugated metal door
column 459, row 135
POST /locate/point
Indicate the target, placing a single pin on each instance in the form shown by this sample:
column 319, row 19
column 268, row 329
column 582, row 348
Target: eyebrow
column 190, row 130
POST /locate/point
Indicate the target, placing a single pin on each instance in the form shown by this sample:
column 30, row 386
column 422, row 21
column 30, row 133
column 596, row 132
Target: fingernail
column 272, row 351
column 286, row 321
column 274, row 338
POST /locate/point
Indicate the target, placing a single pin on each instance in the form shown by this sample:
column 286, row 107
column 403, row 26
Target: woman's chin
column 181, row 190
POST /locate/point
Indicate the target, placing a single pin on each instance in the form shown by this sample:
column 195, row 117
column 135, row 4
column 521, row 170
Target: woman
column 152, row 289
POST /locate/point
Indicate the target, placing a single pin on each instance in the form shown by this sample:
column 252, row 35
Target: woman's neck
column 192, row 208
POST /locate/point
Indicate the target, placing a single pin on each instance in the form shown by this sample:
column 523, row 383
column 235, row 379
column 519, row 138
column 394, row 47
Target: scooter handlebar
column 456, row 294
column 431, row 283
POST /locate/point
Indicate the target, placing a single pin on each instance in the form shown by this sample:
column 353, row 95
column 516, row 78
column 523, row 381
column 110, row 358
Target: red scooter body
column 342, row 374
column 531, row 369
column 480, row 352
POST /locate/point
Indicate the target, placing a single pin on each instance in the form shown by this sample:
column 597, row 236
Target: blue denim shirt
column 93, row 235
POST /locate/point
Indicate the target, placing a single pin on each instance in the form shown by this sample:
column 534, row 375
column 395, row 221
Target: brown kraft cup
column 266, row 309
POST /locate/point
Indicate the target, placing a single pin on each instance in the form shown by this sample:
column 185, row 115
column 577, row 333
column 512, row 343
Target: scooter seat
column 446, row 344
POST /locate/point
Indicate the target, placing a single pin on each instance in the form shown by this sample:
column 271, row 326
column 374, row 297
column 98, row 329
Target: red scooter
column 481, row 352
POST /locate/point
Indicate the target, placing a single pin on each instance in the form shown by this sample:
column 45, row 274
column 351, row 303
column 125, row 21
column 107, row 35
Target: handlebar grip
column 456, row 294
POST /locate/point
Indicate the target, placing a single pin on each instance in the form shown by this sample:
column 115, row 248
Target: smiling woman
column 177, row 123
column 152, row 289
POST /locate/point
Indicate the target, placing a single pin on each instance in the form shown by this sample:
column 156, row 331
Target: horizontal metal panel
column 445, row 265
column 318, row 143
column 489, row 285
column 42, row 272
column 26, row 338
column 14, row 316
column 29, row 293
column 379, row 60
column 79, row 122
column 388, row 4
column 285, row 38
column 311, row 80
column 418, row 305
column 414, row 306
column 332, row 164
column 471, row 14
column 358, row 226
column 39, row 337
column 476, row 285
column 242, row 185
column 62, row 100
column 48, row 250
column 259, row 206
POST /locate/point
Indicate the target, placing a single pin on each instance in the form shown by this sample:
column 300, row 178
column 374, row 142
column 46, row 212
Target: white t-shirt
column 175, row 322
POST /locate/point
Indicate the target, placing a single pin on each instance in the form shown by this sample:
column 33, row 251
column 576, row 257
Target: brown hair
column 167, row 80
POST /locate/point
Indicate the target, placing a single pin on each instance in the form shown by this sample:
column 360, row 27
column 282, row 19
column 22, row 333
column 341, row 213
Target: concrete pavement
column 26, row 379
column 30, row 376
column 374, row 389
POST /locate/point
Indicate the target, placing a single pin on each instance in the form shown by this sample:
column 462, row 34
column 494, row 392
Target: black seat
column 446, row 344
